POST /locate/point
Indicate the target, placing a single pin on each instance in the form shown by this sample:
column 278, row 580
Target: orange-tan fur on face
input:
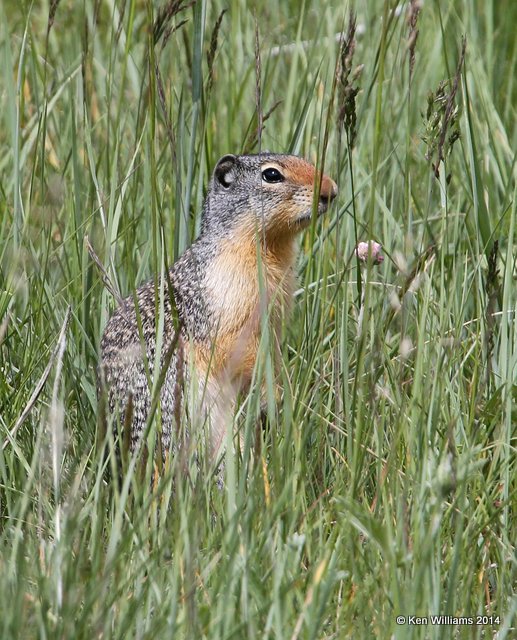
column 295, row 195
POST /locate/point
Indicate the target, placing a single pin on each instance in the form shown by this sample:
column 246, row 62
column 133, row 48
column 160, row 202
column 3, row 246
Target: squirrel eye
column 272, row 175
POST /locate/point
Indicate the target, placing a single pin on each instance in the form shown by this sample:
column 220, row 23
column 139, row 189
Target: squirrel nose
column 328, row 190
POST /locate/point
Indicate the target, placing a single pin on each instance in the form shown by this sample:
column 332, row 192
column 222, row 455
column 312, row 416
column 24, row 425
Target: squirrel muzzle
column 328, row 191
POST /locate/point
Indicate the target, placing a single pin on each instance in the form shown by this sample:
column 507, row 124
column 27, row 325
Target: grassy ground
column 386, row 481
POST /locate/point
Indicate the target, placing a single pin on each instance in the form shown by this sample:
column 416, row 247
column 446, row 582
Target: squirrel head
column 268, row 193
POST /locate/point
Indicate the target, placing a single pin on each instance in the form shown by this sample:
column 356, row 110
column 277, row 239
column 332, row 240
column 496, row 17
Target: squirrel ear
column 224, row 171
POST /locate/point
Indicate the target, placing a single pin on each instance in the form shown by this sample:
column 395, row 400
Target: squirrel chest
column 244, row 283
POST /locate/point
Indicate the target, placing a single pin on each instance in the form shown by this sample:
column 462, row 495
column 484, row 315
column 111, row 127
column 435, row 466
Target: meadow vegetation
column 384, row 480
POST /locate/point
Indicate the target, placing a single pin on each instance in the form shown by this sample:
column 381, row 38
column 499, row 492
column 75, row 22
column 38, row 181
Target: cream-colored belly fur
column 241, row 285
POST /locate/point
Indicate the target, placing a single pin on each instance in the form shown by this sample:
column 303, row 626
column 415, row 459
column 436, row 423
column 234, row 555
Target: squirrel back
column 243, row 259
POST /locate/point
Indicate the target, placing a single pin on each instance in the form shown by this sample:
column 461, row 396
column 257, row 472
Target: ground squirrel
column 254, row 208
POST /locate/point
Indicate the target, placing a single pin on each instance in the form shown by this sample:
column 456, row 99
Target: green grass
column 385, row 483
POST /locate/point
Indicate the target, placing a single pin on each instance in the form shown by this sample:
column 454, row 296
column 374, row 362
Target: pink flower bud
column 365, row 250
